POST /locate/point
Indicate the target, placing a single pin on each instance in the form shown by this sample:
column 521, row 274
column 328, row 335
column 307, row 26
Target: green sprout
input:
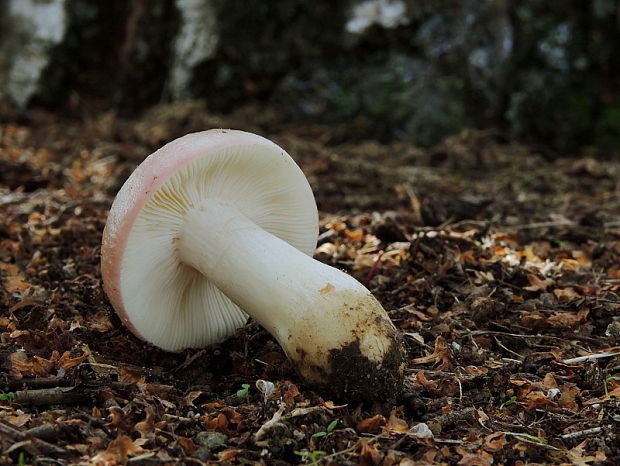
column 7, row 397
column 607, row 381
column 332, row 425
column 21, row 459
column 509, row 401
column 244, row 392
column 311, row 455
column 529, row 437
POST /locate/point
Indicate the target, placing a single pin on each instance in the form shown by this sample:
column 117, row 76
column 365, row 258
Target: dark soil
column 499, row 266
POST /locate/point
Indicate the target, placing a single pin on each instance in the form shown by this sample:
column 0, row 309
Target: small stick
column 43, row 432
column 269, row 424
column 50, row 396
column 31, row 444
column 529, row 226
column 373, row 269
column 584, row 433
column 589, row 357
column 190, row 359
column 437, row 424
column 37, row 382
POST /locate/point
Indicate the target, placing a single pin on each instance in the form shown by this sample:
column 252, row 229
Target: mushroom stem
column 330, row 326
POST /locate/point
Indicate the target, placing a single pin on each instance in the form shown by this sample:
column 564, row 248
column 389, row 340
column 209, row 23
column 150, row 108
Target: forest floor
column 499, row 265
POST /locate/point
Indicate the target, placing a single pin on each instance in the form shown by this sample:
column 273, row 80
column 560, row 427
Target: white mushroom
column 222, row 223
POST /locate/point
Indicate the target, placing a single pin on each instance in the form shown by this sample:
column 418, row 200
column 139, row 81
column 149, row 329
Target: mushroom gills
column 333, row 330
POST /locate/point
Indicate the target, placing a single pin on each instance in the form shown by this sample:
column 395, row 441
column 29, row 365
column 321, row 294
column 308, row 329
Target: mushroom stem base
column 330, row 326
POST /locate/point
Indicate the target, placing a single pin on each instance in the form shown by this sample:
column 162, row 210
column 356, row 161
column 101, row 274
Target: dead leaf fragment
column 566, row 295
column 440, row 354
column 100, row 322
column 431, row 386
column 578, row 455
column 371, row 425
column 147, row 426
column 20, row 365
column 494, row 442
column 228, row 455
column 395, row 424
column 369, row 454
column 14, row 280
column 568, row 319
column 187, row 444
column 474, row 458
column 131, row 374
column 66, row 362
column 118, row 451
column 536, row 284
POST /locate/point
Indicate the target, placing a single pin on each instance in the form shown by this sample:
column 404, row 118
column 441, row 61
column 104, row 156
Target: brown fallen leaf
column 189, row 399
column 66, row 362
column 568, row 319
column 431, row 386
column 14, row 280
column 100, row 322
column 494, row 442
column 613, row 273
column 474, row 458
column 118, row 451
column 331, row 406
column 131, row 374
column 566, row 295
column 146, row 427
column 218, row 424
column 440, row 354
column 578, row 455
column 369, row 454
column 568, row 396
column 288, row 392
column 537, row 400
column 476, row 371
column 395, row 424
column 549, row 382
column 228, row 455
column 372, row 425
column 116, row 416
column 19, row 419
column 536, row 284
column 20, row 365
column 187, row 444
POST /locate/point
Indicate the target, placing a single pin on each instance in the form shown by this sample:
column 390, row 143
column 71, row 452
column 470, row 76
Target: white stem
column 309, row 307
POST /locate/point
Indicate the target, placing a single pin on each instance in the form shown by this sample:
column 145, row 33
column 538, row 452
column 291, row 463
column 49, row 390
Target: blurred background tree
column 546, row 73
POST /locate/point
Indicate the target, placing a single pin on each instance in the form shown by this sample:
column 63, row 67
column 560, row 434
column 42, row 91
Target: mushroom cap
column 159, row 298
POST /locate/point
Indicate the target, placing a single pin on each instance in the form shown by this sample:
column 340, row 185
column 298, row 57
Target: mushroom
column 220, row 224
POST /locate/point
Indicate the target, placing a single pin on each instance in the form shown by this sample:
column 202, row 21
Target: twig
column 516, row 335
column 351, row 449
column 43, row 432
column 190, row 360
column 373, row 269
column 526, row 438
column 143, row 456
column 529, row 226
column 37, row 382
column 507, row 349
column 584, row 433
column 32, row 445
column 438, row 423
column 589, row 357
column 50, row 396
column 269, row 424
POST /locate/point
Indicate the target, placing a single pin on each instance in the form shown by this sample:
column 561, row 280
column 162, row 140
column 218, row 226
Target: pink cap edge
column 139, row 187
